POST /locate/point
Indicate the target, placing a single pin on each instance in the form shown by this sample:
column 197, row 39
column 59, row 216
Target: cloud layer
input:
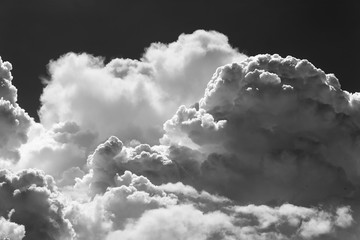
column 162, row 148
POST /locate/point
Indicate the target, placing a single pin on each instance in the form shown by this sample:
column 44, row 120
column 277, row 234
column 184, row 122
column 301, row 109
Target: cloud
column 307, row 222
column 85, row 101
column 149, row 149
column 126, row 201
column 11, row 230
column 14, row 121
column 30, row 199
column 8, row 91
column 135, row 208
column 250, row 222
column 156, row 162
column 264, row 133
column 61, row 148
column 288, row 178
column 184, row 222
column 132, row 98
column 278, row 128
column 179, row 204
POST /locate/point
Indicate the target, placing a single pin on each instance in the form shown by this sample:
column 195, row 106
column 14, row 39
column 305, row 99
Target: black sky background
column 32, row 32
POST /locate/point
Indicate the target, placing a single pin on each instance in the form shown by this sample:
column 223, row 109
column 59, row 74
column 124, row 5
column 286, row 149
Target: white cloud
column 14, row 121
column 86, row 101
column 11, row 230
column 132, row 98
column 305, row 222
column 55, row 150
column 268, row 151
column 249, row 222
column 177, row 222
column 344, row 217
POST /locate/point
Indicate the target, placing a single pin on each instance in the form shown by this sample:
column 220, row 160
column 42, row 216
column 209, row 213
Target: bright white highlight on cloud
column 164, row 148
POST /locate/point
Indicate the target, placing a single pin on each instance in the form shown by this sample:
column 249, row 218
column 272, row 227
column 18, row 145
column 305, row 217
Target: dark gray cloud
column 30, row 199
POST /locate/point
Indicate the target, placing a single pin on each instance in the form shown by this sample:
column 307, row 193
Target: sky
column 34, row 32
column 191, row 120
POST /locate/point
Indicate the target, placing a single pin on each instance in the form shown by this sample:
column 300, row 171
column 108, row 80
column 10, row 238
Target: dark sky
column 34, row 31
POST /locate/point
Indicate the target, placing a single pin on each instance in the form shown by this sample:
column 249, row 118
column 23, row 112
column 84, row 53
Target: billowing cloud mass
column 59, row 149
column 134, row 208
column 132, row 98
column 162, row 148
column 29, row 198
column 279, row 121
column 14, row 121
column 85, row 100
column 11, row 230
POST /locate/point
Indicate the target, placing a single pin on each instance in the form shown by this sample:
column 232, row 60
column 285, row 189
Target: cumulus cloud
column 85, row 100
column 30, row 199
column 135, row 208
column 11, row 230
column 250, row 222
column 186, row 222
column 151, row 149
column 131, row 196
column 132, row 98
column 278, row 123
column 156, row 162
column 14, row 121
column 304, row 222
column 58, row 150
column 269, row 130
